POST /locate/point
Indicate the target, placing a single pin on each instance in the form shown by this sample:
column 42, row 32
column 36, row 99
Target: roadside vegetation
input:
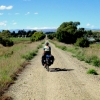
column 89, row 55
column 16, row 49
column 31, row 54
column 20, row 40
column 92, row 71
column 14, row 58
column 5, row 38
column 83, row 44
column 81, row 48
column 69, row 33
column 37, row 36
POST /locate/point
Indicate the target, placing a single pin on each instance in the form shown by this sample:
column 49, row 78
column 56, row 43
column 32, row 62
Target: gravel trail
column 67, row 80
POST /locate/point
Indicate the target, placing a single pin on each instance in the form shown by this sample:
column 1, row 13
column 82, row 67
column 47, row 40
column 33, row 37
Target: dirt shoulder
column 67, row 80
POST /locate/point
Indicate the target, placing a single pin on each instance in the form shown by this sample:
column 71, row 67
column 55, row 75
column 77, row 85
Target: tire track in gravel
column 67, row 80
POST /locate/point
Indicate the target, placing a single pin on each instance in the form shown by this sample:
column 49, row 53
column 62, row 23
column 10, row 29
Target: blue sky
column 42, row 14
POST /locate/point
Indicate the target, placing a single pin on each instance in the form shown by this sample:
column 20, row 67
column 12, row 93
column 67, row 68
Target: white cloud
column 27, row 13
column 9, row 7
column 36, row 13
column 13, row 22
column 2, row 7
column 3, row 23
column 87, row 24
column 1, row 13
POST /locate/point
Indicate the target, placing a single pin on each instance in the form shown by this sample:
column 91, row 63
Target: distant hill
column 47, row 30
column 44, row 30
column 92, row 29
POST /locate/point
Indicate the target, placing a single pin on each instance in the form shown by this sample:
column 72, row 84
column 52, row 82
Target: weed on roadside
column 92, row 71
column 94, row 60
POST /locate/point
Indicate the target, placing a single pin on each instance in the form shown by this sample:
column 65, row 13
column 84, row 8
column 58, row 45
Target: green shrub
column 0, row 39
column 82, row 42
column 61, row 47
column 64, row 48
column 92, row 71
column 96, row 62
column 5, row 38
column 80, row 56
column 88, row 59
column 30, row 55
column 37, row 36
column 51, row 36
column 40, row 46
column 73, row 50
column 7, row 42
column 8, row 54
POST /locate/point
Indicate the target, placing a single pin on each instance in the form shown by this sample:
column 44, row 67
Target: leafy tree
column 21, row 33
column 13, row 34
column 82, row 42
column 63, row 36
column 88, row 33
column 5, row 34
column 29, row 33
column 7, row 42
column 66, row 32
column 51, row 36
column 0, row 39
column 5, row 38
column 80, row 33
column 37, row 36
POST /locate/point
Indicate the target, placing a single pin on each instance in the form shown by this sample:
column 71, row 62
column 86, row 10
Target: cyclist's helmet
column 47, row 43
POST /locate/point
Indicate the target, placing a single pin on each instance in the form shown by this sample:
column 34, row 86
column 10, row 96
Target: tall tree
column 5, row 34
column 66, row 32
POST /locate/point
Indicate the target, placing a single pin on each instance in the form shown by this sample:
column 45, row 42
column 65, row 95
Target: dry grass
column 11, row 61
column 90, row 55
column 93, row 50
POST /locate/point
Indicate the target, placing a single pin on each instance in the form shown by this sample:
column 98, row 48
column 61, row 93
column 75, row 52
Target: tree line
column 5, row 36
column 68, row 32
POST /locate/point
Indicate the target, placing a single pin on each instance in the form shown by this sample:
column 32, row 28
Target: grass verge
column 92, row 71
column 82, row 54
column 11, row 66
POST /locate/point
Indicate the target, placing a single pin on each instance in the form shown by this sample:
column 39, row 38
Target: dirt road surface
column 67, row 80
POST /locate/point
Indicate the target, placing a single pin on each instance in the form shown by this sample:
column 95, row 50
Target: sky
column 48, row 14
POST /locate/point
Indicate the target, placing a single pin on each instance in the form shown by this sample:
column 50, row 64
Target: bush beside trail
column 51, row 36
column 37, row 36
column 6, row 42
column 82, row 42
column 5, row 38
column 13, row 63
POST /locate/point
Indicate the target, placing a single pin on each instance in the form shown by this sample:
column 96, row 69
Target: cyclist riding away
column 46, row 51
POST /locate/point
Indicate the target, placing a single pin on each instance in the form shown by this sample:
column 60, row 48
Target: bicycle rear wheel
column 47, row 67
